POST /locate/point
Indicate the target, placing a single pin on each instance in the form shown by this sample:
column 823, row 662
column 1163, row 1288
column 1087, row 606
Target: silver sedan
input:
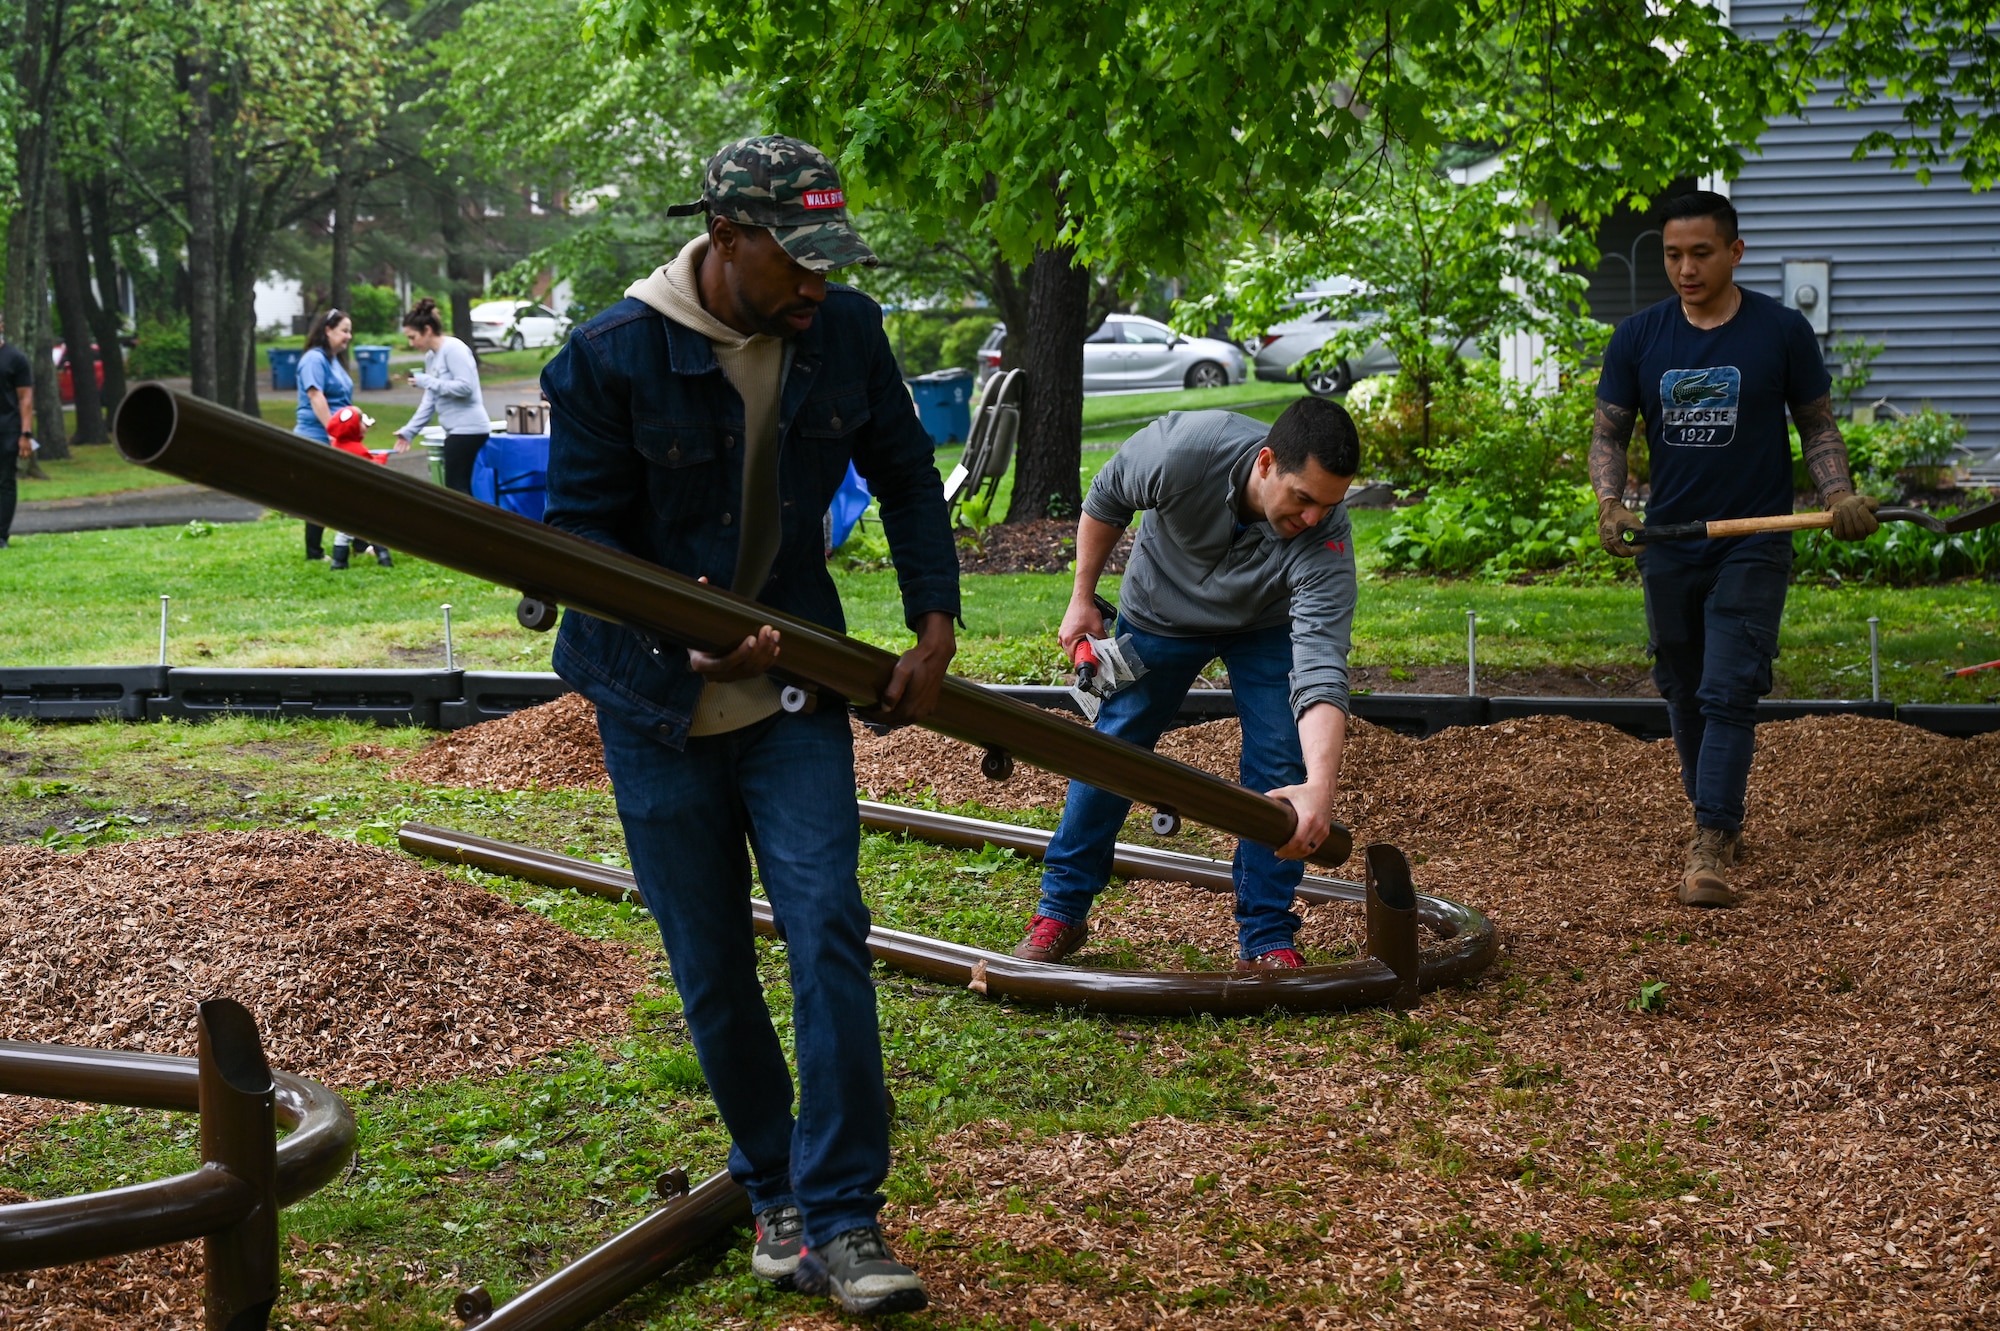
column 1281, row 350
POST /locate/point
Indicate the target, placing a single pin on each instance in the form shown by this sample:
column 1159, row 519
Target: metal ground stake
column 164, row 598
column 450, row 663
column 1471, row 654
column 1874, row 658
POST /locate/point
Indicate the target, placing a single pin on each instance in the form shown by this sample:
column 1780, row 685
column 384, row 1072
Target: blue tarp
column 849, row 503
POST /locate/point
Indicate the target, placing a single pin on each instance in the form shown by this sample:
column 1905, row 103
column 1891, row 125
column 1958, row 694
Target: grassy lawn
column 444, row 1182
column 243, row 596
column 90, row 469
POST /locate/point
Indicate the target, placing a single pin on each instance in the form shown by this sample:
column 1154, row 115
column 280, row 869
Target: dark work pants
column 459, row 451
column 1714, row 632
column 10, row 488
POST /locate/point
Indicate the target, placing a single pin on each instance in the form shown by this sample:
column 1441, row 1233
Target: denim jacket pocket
column 834, row 416
column 675, row 446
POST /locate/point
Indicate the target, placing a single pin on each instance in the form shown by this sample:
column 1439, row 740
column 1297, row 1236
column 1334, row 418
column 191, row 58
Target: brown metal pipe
column 202, row 442
column 173, row 1210
column 1392, row 919
column 1366, row 982
column 238, row 1098
column 604, row 1277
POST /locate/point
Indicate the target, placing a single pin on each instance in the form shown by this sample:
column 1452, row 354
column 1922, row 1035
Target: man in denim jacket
column 704, row 423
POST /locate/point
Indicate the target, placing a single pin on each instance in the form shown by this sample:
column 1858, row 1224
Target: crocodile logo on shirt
column 1698, row 408
column 1701, row 387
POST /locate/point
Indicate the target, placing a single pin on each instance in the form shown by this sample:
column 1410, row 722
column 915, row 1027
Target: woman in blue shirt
column 324, row 388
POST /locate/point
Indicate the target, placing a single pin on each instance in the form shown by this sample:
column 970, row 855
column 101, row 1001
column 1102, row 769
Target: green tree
column 1436, row 270
column 611, row 140
column 1114, row 135
column 1940, row 59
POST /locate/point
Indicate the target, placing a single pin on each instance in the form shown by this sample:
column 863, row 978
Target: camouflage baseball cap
column 791, row 188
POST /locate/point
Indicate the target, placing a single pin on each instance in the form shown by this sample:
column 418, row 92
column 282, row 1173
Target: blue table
column 512, row 472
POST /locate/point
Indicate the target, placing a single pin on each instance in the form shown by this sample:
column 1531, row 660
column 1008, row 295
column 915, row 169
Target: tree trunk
column 236, row 308
column 204, row 273
column 1049, row 456
column 341, row 288
column 67, row 262
column 459, row 269
column 102, row 309
column 36, row 76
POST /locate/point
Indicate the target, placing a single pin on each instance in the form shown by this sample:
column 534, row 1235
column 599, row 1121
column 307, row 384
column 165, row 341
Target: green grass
column 90, row 469
column 244, row 596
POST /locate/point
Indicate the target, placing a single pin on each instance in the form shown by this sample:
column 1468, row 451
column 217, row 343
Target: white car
column 1132, row 351
column 516, row 324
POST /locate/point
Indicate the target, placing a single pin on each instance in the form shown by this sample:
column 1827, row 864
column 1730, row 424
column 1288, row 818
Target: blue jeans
column 1714, row 632
column 1078, row 863
column 782, row 790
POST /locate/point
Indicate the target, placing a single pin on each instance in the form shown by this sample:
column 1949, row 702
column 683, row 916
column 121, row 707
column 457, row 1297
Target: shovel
column 1970, row 520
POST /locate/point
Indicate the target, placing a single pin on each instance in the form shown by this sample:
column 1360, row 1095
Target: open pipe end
column 229, row 1033
column 1389, row 876
column 145, row 422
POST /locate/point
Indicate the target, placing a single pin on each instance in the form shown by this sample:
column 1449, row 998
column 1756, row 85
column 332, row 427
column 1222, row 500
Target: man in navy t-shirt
column 1713, row 370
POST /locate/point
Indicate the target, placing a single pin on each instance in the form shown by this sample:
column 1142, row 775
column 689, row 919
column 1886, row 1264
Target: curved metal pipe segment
column 232, row 1201
column 202, row 442
column 1372, row 980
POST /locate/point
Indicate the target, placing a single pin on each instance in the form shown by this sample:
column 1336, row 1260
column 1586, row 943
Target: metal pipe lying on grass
column 1368, row 981
column 620, row 1267
column 199, row 441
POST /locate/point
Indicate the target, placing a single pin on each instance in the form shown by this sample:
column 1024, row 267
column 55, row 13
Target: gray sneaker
column 856, row 1268
column 781, row 1238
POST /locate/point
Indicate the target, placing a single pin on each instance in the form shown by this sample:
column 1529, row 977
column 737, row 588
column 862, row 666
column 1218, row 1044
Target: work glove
column 1613, row 521
column 1854, row 516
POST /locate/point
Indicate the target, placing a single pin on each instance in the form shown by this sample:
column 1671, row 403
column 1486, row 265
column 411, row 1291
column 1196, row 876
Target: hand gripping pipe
column 213, row 446
column 1392, row 973
column 231, row 1202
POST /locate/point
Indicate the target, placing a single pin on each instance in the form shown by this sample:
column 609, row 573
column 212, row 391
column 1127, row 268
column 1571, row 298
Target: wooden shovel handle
column 1725, row 527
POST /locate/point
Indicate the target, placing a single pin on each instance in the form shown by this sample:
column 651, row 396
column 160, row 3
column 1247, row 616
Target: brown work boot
column 1709, row 854
column 1050, row 940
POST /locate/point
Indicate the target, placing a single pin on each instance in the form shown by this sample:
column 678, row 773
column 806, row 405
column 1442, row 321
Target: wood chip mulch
column 1801, row 1132
column 1046, row 545
column 553, row 746
column 358, row 964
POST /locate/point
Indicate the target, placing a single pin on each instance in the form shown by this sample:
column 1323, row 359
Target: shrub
column 925, row 342
column 1901, row 554
column 161, row 351
column 1467, row 528
column 375, row 309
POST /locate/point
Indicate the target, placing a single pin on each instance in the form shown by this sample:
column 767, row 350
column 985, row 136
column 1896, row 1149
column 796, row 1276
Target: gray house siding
column 1914, row 267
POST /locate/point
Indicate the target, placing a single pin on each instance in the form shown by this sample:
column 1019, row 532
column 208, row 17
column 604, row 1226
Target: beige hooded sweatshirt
column 756, row 366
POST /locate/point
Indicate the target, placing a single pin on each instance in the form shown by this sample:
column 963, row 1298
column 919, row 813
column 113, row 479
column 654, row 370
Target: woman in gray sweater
column 450, row 380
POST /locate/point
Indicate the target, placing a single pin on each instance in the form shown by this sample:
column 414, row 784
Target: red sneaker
column 1050, row 940
column 1277, row 959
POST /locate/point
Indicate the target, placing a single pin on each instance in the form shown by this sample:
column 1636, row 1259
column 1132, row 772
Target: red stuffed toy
column 347, row 428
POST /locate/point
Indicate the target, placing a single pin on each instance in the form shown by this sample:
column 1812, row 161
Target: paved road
column 497, row 393
column 164, row 506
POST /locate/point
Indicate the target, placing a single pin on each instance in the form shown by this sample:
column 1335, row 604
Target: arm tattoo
column 1610, row 436
column 1825, row 451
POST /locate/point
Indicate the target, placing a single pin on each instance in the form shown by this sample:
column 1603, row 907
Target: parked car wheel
column 1206, row 374
column 1330, row 381
column 515, row 342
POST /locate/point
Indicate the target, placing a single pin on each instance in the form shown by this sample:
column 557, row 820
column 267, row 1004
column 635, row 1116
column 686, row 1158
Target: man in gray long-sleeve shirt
column 1245, row 555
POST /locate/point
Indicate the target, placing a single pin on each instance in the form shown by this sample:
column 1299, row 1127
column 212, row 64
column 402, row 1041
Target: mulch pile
column 358, row 964
column 1047, row 545
column 554, row 746
column 1807, row 1123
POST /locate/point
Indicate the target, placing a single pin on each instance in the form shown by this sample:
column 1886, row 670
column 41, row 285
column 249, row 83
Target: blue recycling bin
column 512, row 472
column 373, row 365
column 284, row 368
column 944, row 404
